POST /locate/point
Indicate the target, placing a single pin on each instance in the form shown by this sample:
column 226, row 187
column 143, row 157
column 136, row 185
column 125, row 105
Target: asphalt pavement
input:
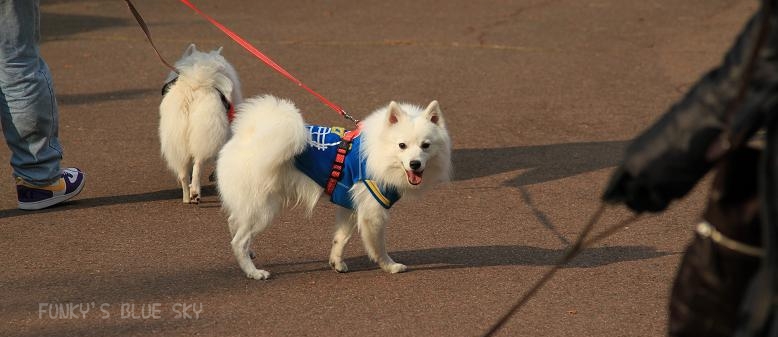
column 540, row 97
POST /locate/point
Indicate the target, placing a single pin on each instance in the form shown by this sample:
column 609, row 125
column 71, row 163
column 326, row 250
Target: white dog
column 271, row 162
column 194, row 115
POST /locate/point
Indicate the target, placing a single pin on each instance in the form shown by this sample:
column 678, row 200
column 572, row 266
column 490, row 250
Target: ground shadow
column 76, row 99
column 57, row 26
column 484, row 256
column 102, row 327
column 505, row 255
column 145, row 286
column 546, row 163
column 543, row 162
column 170, row 194
column 157, row 284
column 541, row 216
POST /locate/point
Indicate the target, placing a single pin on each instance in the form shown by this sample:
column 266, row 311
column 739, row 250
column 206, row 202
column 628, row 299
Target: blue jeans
column 28, row 108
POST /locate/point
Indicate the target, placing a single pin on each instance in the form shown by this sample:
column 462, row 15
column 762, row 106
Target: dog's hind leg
column 194, row 187
column 183, row 180
column 246, row 227
column 345, row 222
column 240, row 244
column 372, row 220
column 233, row 224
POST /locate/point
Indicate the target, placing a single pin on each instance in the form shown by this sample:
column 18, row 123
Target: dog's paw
column 394, row 268
column 194, row 198
column 258, row 274
column 339, row 267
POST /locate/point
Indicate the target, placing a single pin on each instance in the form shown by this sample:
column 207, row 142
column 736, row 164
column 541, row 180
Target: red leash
column 267, row 60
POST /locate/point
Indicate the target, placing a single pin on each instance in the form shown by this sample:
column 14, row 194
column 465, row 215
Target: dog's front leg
column 345, row 222
column 372, row 219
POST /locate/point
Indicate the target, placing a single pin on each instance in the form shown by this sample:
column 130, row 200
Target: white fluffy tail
column 255, row 169
column 273, row 126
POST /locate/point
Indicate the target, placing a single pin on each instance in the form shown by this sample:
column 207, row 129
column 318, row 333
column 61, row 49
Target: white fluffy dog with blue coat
column 275, row 160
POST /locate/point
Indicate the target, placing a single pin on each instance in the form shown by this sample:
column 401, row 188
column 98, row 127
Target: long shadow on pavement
column 133, row 286
column 544, row 162
column 484, row 256
column 75, row 204
column 57, row 26
column 76, row 99
column 100, row 327
column 504, row 255
column 150, row 284
column 140, row 285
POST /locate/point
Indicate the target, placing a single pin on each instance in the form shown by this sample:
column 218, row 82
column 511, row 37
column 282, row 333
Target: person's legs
column 27, row 104
column 28, row 110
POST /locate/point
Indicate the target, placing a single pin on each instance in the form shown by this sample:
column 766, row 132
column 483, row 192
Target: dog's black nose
column 415, row 164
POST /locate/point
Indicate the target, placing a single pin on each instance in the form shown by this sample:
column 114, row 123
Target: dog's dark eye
column 403, row 146
column 425, row 146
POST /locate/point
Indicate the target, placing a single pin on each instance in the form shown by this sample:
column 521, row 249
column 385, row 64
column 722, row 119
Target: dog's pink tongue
column 414, row 178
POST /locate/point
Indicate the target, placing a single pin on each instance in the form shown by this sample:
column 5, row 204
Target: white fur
column 193, row 122
column 257, row 178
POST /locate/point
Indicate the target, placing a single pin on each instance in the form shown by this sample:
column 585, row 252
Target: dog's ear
column 189, row 50
column 395, row 113
column 433, row 114
column 223, row 84
column 219, row 51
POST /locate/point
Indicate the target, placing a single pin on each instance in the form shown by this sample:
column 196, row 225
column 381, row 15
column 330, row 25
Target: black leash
column 580, row 244
column 145, row 28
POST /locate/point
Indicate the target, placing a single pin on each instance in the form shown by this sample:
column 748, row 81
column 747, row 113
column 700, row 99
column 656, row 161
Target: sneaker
column 33, row 197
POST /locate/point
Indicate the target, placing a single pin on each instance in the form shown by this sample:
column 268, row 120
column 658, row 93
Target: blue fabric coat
column 316, row 162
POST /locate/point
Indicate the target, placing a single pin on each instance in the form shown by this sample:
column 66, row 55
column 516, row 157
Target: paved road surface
column 540, row 96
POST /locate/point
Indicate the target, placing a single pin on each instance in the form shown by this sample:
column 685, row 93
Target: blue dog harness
column 317, row 163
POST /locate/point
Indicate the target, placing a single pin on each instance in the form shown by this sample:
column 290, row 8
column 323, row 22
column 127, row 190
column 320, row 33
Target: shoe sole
column 38, row 205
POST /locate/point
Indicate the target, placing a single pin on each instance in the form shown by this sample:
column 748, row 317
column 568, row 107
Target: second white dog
column 272, row 161
column 194, row 115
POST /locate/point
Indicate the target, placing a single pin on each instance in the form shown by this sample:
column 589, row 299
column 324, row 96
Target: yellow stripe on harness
column 371, row 185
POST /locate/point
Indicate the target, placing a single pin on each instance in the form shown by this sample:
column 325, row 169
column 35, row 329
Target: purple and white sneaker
column 33, row 197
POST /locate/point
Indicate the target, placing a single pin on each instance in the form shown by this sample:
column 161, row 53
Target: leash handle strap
column 268, row 61
column 145, row 28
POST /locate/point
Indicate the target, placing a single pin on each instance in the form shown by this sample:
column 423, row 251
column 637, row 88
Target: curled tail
column 255, row 164
column 273, row 125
